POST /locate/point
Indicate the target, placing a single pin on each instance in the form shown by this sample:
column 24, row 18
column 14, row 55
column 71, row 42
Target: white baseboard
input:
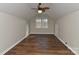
column 27, row 35
column 41, row 33
column 67, row 46
column 13, row 45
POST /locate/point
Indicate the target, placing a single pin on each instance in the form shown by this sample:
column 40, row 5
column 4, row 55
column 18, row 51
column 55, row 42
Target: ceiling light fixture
column 40, row 11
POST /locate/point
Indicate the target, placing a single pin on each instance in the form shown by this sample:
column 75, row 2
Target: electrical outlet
column 65, row 42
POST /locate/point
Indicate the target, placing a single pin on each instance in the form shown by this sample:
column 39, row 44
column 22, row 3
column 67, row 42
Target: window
column 38, row 23
column 41, row 23
column 44, row 23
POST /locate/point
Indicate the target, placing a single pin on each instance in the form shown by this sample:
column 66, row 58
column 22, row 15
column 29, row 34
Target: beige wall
column 49, row 30
column 12, row 29
column 68, row 30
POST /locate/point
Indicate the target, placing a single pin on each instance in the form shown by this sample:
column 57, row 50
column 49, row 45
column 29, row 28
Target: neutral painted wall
column 34, row 30
column 67, row 29
column 12, row 29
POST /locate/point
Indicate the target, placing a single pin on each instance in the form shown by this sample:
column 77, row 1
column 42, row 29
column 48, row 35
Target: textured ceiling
column 25, row 11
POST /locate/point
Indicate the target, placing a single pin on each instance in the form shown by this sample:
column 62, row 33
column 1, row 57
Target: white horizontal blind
column 44, row 23
column 41, row 23
column 38, row 23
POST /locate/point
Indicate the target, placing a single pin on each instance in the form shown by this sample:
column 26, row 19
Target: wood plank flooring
column 40, row 44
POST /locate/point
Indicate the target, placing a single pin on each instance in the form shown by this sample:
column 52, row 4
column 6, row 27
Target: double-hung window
column 41, row 23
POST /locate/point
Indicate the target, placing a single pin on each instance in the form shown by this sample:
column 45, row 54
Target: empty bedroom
column 39, row 28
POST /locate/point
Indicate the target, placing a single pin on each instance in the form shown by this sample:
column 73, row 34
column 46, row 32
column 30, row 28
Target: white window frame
column 41, row 23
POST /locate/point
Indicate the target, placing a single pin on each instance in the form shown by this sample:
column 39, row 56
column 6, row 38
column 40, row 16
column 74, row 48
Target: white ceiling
column 25, row 11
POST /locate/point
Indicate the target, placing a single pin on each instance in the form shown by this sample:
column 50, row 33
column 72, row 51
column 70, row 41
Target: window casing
column 41, row 23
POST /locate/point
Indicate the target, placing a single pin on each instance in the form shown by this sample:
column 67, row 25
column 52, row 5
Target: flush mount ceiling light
column 40, row 11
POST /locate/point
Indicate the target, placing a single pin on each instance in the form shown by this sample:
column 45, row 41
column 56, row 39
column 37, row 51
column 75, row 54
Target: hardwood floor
column 40, row 44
